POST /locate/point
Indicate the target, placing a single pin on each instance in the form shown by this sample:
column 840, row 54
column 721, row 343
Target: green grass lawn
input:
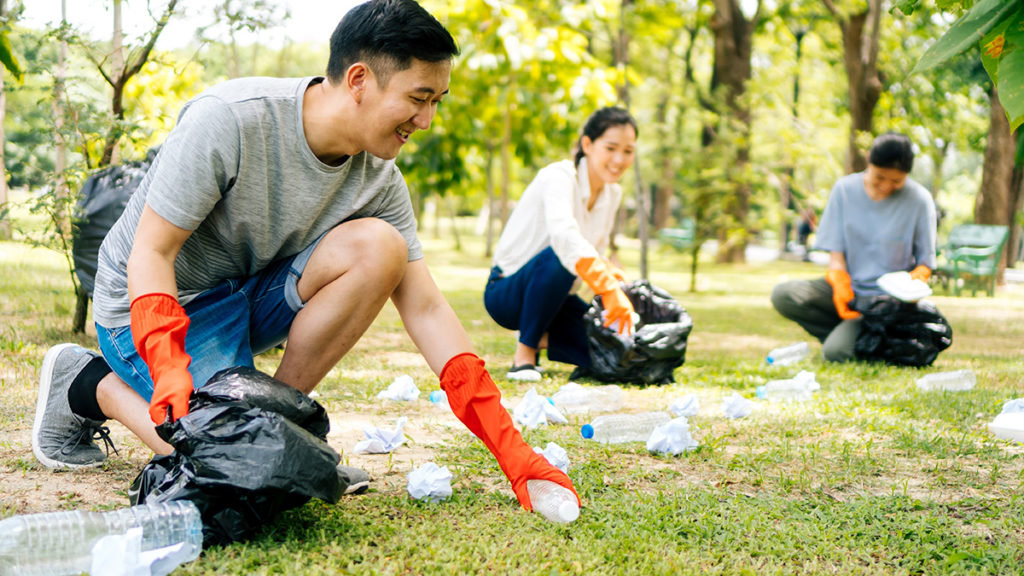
column 870, row 477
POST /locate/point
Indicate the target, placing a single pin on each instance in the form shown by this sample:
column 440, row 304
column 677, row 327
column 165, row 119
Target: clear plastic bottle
column 553, row 501
column 788, row 354
column 619, row 428
column 955, row 381
column 577, row 399
column 798, row 388
column 57, row 543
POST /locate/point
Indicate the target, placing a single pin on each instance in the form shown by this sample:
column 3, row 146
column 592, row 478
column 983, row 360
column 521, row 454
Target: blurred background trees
column 749, row 110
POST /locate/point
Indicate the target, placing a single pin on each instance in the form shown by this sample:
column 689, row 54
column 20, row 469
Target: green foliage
column 7, row 57
column 998, row 27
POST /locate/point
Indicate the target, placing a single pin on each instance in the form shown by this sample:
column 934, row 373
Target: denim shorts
column 228, row 325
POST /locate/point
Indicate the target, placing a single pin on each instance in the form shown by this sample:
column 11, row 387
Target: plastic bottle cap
column 587, row 431
column 770, row 360
column 761, row 391
column 568, row 511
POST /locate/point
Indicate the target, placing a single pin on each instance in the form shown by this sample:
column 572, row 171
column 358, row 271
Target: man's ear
column 356, row 79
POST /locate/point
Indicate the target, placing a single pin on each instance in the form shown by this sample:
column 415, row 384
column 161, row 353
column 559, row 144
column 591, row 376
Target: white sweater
column 553, row 212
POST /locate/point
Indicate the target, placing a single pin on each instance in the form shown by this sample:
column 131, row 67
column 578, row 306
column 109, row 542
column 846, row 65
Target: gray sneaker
column 356, row 481
column 61, row 438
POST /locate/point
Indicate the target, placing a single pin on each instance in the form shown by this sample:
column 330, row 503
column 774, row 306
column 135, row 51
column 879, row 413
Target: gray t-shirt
column 894, row 234
column 238, row 172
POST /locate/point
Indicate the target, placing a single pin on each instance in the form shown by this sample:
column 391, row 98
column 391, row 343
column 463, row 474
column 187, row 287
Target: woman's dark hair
column 387, row 35
column 892, row 150
column 601, row 121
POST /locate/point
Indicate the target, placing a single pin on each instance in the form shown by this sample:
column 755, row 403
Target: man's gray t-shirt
column 893, row 234
column 238, row 172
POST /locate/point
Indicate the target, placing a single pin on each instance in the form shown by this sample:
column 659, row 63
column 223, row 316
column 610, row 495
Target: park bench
column 680, row 238
column 970, row 257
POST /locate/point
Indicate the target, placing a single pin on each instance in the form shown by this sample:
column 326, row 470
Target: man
column 877, row 221
column 275, row 211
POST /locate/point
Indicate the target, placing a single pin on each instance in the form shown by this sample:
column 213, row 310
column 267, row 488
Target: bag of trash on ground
column 900, row 333
column 249, row 448
column 656, row 347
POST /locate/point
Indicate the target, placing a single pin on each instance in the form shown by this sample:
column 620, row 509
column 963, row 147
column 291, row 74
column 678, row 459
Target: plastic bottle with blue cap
column 620, row 428
column 788, row 354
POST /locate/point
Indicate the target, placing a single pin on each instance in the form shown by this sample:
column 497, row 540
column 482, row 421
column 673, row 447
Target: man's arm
column 428, row 318
column 158, row 322
column 472, row 394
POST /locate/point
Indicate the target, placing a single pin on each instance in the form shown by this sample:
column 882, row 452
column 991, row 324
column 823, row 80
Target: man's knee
column 783, row 297
column 370, row 244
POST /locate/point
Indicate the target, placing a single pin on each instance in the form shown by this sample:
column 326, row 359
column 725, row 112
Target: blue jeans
column 228, row 325
column 536, row 300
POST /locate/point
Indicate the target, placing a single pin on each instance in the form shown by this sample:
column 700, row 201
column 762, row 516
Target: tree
column 11, row 65
column 861, row 31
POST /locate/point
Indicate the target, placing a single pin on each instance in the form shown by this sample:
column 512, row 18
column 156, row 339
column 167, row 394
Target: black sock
column 82, row 392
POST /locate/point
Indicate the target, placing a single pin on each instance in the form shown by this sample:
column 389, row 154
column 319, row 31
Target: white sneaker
column 524, row 373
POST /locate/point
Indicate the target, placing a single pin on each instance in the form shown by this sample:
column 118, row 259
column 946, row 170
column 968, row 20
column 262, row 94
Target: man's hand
column 922, row 273
column 598, row 275
column 476, row 401
column 842, row 292
column 158, row 325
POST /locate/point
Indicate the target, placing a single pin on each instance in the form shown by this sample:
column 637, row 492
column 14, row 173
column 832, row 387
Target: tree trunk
column 864, row 83
column 997, row 199
column 730, row 74
column 5, row 221
column 489, row 171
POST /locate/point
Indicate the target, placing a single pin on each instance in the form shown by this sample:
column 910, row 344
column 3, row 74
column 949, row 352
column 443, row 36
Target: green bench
column 680, row 238
column 970, row 257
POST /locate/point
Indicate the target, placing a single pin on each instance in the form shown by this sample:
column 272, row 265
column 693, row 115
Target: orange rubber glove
column 597, row 274
column 617, row 272
column 158, row 329
column 476, row 401
column 842, row 292
column 922, row 273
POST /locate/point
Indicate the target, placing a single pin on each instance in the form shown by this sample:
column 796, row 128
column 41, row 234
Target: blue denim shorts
column 228, row 325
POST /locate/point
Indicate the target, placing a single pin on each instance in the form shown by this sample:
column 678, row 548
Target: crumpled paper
column 380, row 440
column 1013, row 406
column 401, row 389
column 685, row 406
column 430, row 482
column 737, row 406
column 535, row 410
column 672, row 437
column 555, row 455
column 119, row 555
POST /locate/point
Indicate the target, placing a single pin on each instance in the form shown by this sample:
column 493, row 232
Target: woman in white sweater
column 557, row 233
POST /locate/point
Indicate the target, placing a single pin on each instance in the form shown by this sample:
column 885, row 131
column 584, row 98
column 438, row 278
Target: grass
column 870, row 477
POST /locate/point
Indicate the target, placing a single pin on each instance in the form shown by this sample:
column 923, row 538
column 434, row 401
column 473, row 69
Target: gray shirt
column 893, row 234
column 238, row 172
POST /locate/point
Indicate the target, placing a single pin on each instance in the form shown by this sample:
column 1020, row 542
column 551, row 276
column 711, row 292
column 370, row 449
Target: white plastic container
column 553, row 501
column 620, row 428
column 788, row 354
column 955, row 381
column 799, row 388
column 59, row 543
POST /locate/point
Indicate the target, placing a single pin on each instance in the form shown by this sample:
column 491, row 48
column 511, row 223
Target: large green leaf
column 7, row 57
column 992, row 64
column 967, row 31
column 1010, row 78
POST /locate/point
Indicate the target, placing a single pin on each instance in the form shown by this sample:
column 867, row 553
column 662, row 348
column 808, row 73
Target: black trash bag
column 900, row 333
column 101, row 201
column 658, row 344
column 249, row 448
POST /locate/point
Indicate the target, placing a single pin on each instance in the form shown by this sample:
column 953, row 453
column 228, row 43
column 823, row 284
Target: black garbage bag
column 658, row 344
column 101, row 201
column 249, row 448
column 900, row 333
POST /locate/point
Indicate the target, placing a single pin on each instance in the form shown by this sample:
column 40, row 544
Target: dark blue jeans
column 536, row 300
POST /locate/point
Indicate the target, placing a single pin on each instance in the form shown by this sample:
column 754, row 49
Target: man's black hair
column 892, row 150
column 387, row 35
column 601, row 121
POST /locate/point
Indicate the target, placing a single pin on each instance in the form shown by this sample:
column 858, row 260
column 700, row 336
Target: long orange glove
column 922, row 273
column 842, row 292
column 598, row 275
column 158, row 328
column 476, row 401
